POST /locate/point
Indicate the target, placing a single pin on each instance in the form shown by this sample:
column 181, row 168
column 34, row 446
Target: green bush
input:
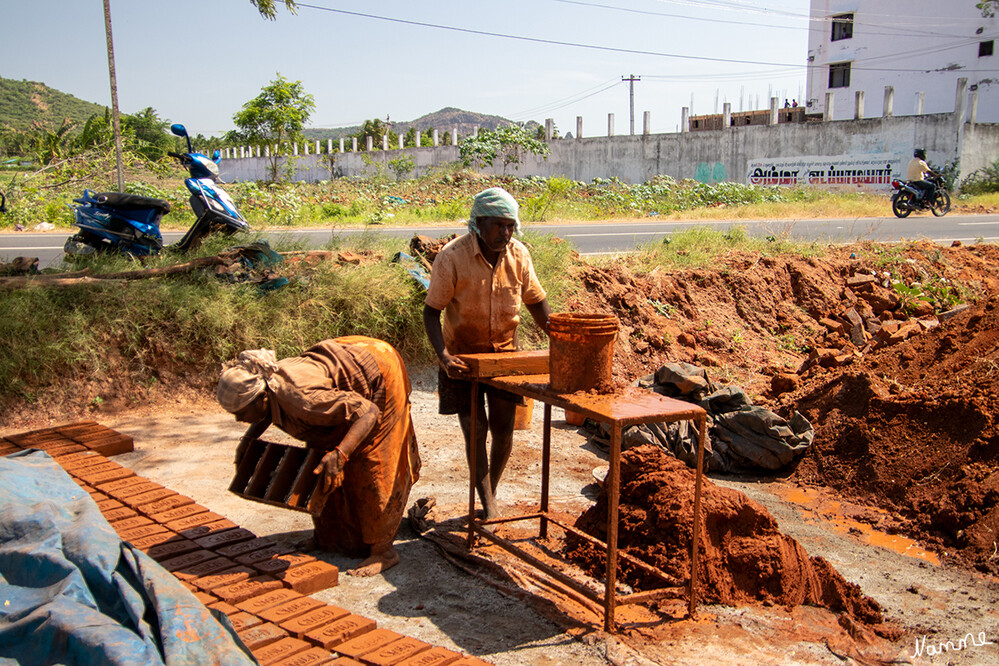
column 982, row 181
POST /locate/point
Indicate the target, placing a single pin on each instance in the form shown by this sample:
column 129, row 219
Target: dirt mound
column 745, row 558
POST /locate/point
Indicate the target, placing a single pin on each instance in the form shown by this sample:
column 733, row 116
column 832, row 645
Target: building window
column 985, row 48
column 842, row 27
column 839, row 75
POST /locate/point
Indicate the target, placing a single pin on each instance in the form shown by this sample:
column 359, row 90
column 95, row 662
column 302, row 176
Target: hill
column 443, row 120
column 24, row 102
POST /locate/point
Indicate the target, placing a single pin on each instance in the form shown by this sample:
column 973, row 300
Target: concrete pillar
column 579, row 127
column 773, row 111
column 385, row 141
column 341, row 145
column 974, row 107
column 277, row 150
column 317, row 147
column 329, row 147
column 647, row 123
column 369, row 143
column 685, row 119
column 610, row 124
column 920, row 98
column 726, row 115
column 889, row 106
column 827, row 114
column 305, row 147
column 858, row 105
column 549, row 129
column 400, row 142
column 258, row 150
column 353, row 144
column 475, row 131
column 267, row 150
column 454, row 136
column 294, row 148
column 437, row 138
column 960, row 101
column 419, row 139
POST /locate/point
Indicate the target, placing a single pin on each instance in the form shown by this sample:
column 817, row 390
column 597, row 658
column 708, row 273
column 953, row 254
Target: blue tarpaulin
column 72, row 592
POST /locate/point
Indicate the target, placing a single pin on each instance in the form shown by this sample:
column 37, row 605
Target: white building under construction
column 920, row 48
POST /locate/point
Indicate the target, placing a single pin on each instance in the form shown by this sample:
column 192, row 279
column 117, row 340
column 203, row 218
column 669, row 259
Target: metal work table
column 627, row 407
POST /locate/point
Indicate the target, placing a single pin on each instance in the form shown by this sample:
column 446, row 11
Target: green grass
column 697, row 247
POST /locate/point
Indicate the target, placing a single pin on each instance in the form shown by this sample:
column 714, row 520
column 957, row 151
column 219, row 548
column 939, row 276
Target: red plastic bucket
column 581, row 351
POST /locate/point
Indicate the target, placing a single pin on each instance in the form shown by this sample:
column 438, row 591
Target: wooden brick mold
column 277, row 474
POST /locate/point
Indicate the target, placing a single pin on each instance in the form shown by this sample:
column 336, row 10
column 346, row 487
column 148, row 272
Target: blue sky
column 198, row 61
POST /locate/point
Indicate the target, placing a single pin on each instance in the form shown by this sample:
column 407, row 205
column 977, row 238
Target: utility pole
column 116, row 121
column 631, row 98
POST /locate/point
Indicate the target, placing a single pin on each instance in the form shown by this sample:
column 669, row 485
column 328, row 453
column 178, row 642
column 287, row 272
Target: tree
column 277, row 115
column 143, row 133
column 510, row 141
column 268, row 8
column 376, row 130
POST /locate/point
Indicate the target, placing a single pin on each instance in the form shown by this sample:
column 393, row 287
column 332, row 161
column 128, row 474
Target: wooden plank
column 505, row 364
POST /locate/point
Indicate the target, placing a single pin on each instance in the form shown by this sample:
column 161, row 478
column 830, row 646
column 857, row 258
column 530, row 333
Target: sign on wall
column 872, row 172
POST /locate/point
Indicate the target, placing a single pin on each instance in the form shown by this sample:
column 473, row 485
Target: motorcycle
column 130, row 224
column 907, row 198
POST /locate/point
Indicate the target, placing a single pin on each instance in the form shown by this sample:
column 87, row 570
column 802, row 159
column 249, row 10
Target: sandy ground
column 189, row 449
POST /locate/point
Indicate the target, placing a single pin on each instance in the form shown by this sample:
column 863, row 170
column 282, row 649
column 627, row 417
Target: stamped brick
column 129, row 523
column 261, row 602
column 139, row 532
column 367, row 642
column 121, row 513
column 136, row 489
column 191, row 520
column 264, row 554
column 275, row 652
column 395, row 652
column 234, row 550
column 435, row 656
column 165, row 504
column 79, row 458
column 303, row 624
column 340, row 631
column 312, row 657
column 280, row 563
column 345, row 661
column 244, row 589
column 224, row 607
column 224, row 577
column 113, row 486
column 225, row 538
column 178, row 513
column 97, row 478
column 205, row 598
column 291, row 609
column 242, row 621
column 261, row 635
column 202, row 569
column 104, row 465
column 171, row 548
column 111, row 446
column 147, row 542
column 149, row 497
column 310, row 577
column 188, row 559
column 107, row 503
column 199, row 531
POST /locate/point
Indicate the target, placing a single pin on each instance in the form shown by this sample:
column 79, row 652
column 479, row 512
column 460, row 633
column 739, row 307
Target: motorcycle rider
column 916, row 174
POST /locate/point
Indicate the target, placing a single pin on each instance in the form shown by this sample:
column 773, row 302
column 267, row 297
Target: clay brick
column 395, row 652
column 258, row 603
column 111, row 446
column 469, row 661
column 104, row 477
column 121, row 513
column 303, row 624
column 192, row 520
column 58, row 451
column 275, row 652
column 310, row 577
column 129, row 523
column 125, row 493
column 166, row 504
column 199, row 531
column 205, row 598
column 244, row 589
column 147, row 542
column 107, row 503
column 224, row 577
column 236, row 549
column 188, row 560
column 121, row 483
column 276, row 565
column 261, row 635
column 435, row 656
column 149, row 497
column 202, row 569
column 345, row 661
column 291, row 609
column 264, row 554
column 171, row 548
column 178, row 513
column 140, row 532
column 225, row 538
column 340, row 631
column 225, row 607
column 311, row 657
column 104, row 465
column 241, row 621
column 366, row 642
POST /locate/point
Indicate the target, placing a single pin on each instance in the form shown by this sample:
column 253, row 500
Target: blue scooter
column 130, row 224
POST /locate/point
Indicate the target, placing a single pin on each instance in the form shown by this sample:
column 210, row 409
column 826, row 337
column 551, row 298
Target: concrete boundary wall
column 707, row 156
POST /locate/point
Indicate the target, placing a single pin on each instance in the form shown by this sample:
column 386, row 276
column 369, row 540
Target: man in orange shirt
column 479, row 281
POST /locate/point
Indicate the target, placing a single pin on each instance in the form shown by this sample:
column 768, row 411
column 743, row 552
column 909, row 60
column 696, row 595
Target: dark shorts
column 456, row 394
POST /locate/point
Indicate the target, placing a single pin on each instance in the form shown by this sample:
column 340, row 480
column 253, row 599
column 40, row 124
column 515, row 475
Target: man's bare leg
column 383, row 557
column 481, row 473
column 502, row 418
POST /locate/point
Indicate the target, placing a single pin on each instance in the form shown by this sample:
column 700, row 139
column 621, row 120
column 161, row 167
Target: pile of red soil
column 744, row 558
column 912, row 428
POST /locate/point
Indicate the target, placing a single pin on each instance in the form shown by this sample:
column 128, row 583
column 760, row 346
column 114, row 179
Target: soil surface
column 883, row 535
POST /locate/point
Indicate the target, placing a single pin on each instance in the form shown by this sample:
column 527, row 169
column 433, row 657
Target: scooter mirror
column 178, row 129
column 216, row 156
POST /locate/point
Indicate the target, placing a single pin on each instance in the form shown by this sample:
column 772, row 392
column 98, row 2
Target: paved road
column 609, row 237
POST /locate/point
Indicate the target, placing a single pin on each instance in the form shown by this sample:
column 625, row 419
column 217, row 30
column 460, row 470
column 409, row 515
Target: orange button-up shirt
column 481, row 303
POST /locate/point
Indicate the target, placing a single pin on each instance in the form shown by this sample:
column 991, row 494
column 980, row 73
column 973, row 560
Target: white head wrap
column 494, row 202
column 244, row 379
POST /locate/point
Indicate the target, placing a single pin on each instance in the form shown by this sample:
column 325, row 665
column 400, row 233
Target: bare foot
column 381, row 559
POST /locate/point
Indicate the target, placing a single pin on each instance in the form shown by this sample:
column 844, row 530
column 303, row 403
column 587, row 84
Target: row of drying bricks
column 260, row 585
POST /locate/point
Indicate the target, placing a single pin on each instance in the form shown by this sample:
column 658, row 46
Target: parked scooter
column 907, row 198
column 130, row 224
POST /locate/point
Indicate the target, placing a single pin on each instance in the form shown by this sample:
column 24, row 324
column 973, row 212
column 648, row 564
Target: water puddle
column 831, row 512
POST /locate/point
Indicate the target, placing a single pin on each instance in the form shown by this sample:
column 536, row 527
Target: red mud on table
column 744, row 557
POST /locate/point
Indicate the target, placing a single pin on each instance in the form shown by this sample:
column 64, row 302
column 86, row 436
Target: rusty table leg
column 473, row 440
column 546, row 459
column 702, row 426
column 613, row 493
